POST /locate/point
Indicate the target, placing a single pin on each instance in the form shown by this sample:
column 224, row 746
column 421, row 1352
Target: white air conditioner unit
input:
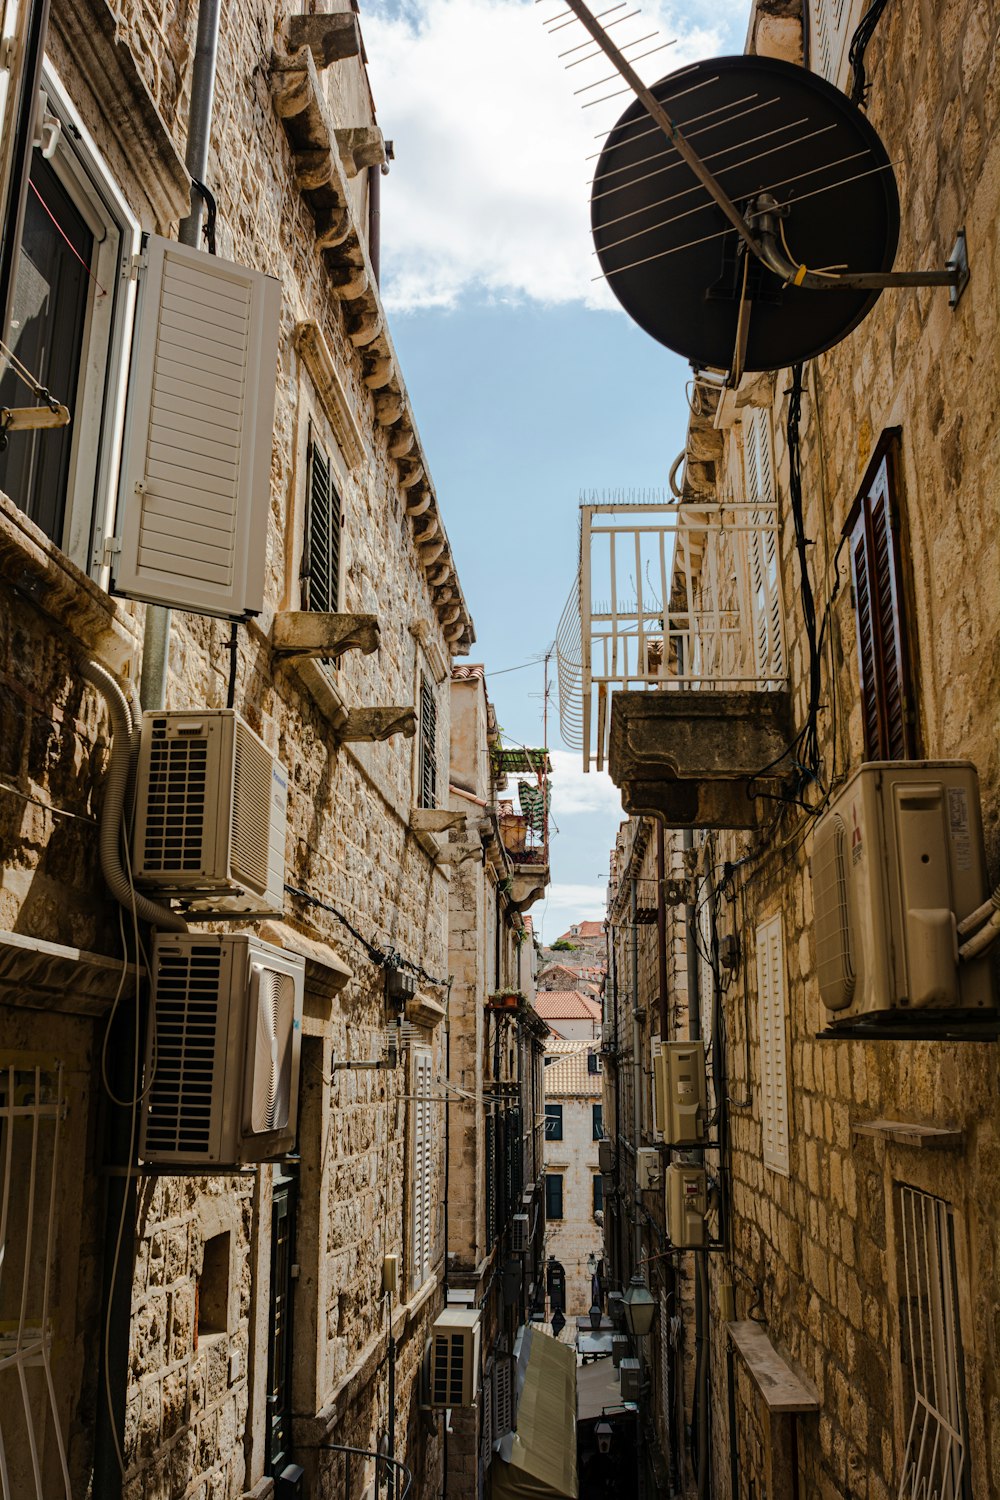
column 679, row 1092
column 520, row 1233
column 222, row 1063
column 606, row 1155
column 211, row 803
column 648, row 1168
column 607, row 1034
column 454, row 1357
column 897, row 862
column 687, row 1205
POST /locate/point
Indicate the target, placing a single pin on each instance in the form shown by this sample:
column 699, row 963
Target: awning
column 538, row 1461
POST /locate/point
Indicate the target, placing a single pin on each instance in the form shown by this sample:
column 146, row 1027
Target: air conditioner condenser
column 222, row 1063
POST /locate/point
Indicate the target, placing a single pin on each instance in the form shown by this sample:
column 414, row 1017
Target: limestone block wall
column 822, row 1246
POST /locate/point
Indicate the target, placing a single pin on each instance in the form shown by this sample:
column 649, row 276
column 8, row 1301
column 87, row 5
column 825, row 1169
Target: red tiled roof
column 467, row 670
column 583, row 930
column 566, row 1005
column 570, row 1076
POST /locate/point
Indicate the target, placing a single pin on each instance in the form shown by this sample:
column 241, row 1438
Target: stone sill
column 912, row 1133
column 37, row 570
column 50, row 976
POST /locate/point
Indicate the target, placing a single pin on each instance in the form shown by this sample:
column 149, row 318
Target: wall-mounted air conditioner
column 630, row 1375
column 897, row 862
column 687, row 1205
column 520, row 1233
column 222, row 1063
column 648, row 1168
column 679, row 1092
column 454, row 1357
column 606, row 1155
column 211, row 805
column 607, row 1035
column 619, row 1348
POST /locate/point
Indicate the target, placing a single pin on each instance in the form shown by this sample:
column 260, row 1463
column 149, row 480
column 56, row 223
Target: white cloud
column 577, row 791
column 488, row 192
column 569, row 903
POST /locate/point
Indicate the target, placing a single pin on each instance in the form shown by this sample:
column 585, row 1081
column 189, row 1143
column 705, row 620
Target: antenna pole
column 657, row 113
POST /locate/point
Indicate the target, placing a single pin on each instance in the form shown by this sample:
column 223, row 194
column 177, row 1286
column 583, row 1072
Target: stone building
column 572, row 1015
column 831, row 605
column 201, row 1334
column 574, row 1196
column 494, row 1111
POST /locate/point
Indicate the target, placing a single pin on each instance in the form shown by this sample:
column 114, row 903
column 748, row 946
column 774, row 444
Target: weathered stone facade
column 197, row 1419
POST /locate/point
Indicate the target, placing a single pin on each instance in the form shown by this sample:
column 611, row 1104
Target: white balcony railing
column 667, row 597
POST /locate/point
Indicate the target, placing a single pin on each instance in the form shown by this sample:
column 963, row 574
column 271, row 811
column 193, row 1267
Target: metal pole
column 156, row 634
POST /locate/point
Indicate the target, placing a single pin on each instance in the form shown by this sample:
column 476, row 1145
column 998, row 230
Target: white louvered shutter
column 773, row 1068
column 423, row 1161
column 762, row 544
column 503, row 1388
column 486, row 1417
column 195, row 487
column 831, row 25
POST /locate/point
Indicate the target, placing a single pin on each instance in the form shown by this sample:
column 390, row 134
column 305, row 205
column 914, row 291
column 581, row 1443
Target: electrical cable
column 860, row 87
column 387, row 958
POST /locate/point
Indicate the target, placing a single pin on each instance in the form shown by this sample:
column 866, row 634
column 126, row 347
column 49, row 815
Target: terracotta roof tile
column 569, row 1075
column 566, row 1005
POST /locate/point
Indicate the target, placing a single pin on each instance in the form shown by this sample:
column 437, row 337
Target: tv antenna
column 772, row 187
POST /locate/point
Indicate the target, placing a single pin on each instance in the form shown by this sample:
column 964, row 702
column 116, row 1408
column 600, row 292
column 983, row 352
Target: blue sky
column 529, row 386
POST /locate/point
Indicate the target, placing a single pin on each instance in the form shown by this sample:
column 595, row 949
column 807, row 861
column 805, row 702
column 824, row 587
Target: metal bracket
column 958, row 262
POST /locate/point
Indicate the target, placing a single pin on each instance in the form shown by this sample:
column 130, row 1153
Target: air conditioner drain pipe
column 987, row 919
column 124, row 747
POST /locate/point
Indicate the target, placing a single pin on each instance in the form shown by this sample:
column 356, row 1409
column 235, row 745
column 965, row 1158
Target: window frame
column 315, row 440
column 554, row 1188
column 99, row 416
column 597, row 1120
column 556, row 1117
column 597, row 1194
column 427, row 739
column 881, row 588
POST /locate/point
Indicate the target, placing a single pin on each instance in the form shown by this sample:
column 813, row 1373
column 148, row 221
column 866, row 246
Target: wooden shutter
column 321, row 559
column 883, row 656
column 423, row 1165
column 486, row 1413
column 428, row 745
column 773, row 1070
column 196, row 462
column 503, row 1390
column 761, row 546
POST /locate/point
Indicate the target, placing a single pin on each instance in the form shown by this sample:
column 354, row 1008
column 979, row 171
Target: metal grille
column 934, row 1465
column 448, row 1367
column 428, row 745
column 175, row 810
column 251, row 809
column 32, row 1451
column 321, row 570
column 187, row 1003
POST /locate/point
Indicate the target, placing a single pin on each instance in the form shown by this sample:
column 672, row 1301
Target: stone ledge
column 911, row 1133
column 782, row 1388
column 50, row 976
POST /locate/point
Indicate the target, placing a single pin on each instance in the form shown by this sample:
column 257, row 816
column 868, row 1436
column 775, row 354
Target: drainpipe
column 661, row 929
column 375, row 218
column 701, row 1264
column 156, row 634
column 636, row 1079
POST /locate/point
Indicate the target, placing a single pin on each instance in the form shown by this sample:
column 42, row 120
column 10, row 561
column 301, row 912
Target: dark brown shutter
column 321, row 559
column 428, row 745
column 883, row 660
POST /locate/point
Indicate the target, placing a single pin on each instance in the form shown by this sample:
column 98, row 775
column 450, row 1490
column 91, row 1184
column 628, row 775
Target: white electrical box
column 630, row 1375
column 897, row 863
column 211, row 805
column 520, row 1233
column 687, row 1205
column 648, row 1168
column 679, row 1092
column 222, row 1064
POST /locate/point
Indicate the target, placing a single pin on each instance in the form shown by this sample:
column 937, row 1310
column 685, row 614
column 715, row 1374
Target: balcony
column 671, row 657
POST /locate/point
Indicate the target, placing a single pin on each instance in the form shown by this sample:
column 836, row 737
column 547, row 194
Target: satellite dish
column 766, row 130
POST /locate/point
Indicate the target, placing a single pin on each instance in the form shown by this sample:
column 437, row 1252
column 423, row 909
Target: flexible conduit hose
column 124, row 732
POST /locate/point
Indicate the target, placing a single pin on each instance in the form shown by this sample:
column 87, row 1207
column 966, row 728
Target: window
column 428, row 746
column 598, row 1193
column 883, row 656
column 553, row 1122
column 320, row 578
column 761, row 545
column 597, row 1111
column 930, row 1351
column 422, row 1173
column 553, row 1195
column 771, row 1017
column 71, row 323
column 593, row 1062
column 832, row 24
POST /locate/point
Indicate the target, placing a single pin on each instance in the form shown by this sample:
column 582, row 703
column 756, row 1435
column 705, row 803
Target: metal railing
column 668, row 597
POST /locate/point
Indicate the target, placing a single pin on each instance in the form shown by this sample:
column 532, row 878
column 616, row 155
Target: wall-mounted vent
column 520, row 1233
column 454, row 1357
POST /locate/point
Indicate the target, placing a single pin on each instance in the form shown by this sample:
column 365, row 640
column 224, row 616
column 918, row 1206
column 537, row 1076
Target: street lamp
column 640, row 1308
column 596, row 1317
column 603, row 1433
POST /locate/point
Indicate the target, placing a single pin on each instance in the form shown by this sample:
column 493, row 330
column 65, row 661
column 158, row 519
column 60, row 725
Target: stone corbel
column 350, row 280
column 409, row 475
column 435, row 819
column 330, row 39
column 369, row 725
column 378, row 372
column 401, row 440
column 361, row 146
column 389, row 407
column 364, row 323
column 458, row 853
column 298, row 632
column 418, row 502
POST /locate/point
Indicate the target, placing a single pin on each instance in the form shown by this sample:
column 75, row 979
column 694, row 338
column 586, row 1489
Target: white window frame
column 99, row 414
column 771, row 992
